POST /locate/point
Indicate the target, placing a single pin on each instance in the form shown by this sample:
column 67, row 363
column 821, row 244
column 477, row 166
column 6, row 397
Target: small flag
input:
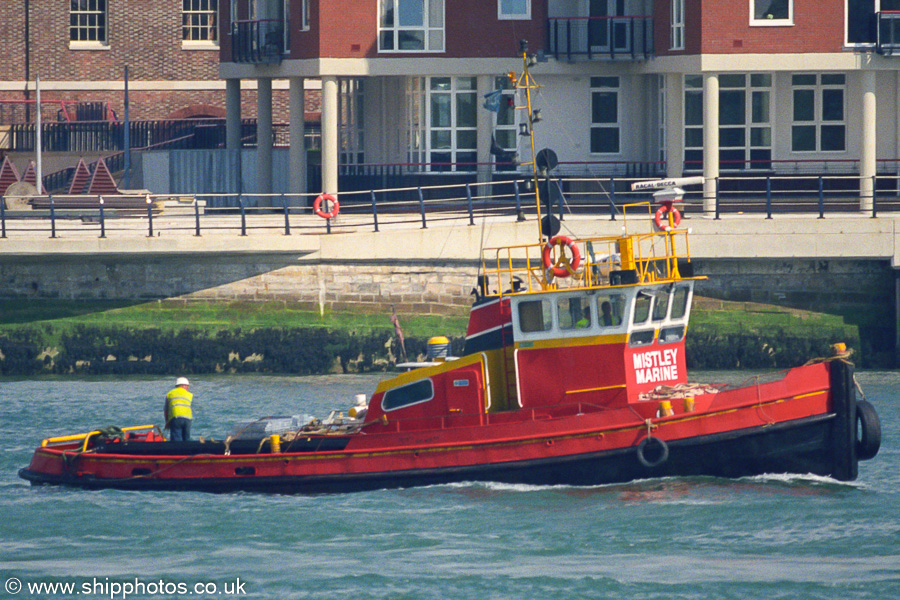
column 492, row 100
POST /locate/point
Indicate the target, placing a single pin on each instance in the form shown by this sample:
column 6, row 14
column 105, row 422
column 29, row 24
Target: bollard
column 243, row 216
column 196, row 217
column 874, row 197
column 374, row 211
column 287, row 220
column 422, row 209
column 2, row 217
column 52, row 217
column 718, row 214
column 149, row 217
column 102, row 220
column 612, row 199
column 520, row 216
column 560, row 203
column 469, row 197
column 768, row 197
column 821, row 198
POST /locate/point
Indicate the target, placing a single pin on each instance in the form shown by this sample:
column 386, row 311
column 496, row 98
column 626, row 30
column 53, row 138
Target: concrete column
column 233, row 114
column 485, row 124
column 297, row 153
column 264, row 138
column 867, row 148
column 329, row 135
column 710, row 140
column 674, row 124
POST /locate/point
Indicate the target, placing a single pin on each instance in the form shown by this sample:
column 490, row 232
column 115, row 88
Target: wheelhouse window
column 818, row 113
column 610, row 309
column 680, row 302
column 411, row 26
column 771, row 12
column 199, row 21
column 535, row 316
column 642, row 305
column 605, row 115
column 407, row 395
column 574, row 312
column 513, row 9
column 87, row 22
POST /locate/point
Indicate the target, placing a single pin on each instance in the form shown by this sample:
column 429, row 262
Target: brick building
column 706, row 86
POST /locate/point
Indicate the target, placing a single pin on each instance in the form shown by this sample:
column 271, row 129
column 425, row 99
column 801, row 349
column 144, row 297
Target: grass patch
column 213, row 317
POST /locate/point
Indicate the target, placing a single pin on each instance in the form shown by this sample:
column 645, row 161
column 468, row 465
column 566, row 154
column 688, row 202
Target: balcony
column 888, row 31
column 257, row 41
column 600, row 38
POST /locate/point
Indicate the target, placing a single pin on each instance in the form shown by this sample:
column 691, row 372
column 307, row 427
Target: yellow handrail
column 86, row 436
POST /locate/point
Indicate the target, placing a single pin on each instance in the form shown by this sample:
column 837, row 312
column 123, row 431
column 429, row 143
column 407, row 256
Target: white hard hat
column 182, row 381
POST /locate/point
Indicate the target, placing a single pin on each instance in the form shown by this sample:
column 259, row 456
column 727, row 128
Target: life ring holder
column 335, row 206
column 661, row 217
column 563, row 267
column 663, row 452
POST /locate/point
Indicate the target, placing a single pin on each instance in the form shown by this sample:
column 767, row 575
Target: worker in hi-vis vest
column 178, row 411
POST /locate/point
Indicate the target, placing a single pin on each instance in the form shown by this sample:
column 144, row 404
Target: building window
column 199, row 22
column 605, row 115
column 818, row 113
column 87, row 21
column 745, row 125
column 693, row 122
column 351, row 124
column 772, row 12
column 663, row 119
column 411, row 26
column 443, row 129
column 513, row 9
column 505, row 143
column 677, row 41
column 304, row 16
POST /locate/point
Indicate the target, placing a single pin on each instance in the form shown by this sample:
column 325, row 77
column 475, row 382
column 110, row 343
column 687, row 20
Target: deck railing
column 600, row 38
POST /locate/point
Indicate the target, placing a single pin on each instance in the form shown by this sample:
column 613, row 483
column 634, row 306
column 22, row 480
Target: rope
column 681, row 390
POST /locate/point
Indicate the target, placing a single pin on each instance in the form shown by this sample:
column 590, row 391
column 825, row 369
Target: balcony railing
column 257, row 41
column 600, row 38
column 888, row 30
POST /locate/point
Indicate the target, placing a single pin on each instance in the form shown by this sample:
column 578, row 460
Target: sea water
column 773, row 537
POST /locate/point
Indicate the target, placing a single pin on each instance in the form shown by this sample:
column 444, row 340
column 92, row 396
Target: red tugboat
column 575, row 375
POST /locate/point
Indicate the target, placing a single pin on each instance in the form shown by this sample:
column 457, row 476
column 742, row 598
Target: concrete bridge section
column 843, row 263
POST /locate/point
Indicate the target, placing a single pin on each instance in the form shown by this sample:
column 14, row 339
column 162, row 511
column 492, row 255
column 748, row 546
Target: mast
column 526, row 82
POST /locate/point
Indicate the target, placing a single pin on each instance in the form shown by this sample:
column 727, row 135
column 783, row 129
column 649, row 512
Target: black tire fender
column 868, row 431
column 663, row 452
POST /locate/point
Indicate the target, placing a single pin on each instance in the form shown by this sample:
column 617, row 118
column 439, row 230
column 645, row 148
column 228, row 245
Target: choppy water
column 776, row 537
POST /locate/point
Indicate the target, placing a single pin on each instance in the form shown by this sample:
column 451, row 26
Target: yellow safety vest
column 178, row 404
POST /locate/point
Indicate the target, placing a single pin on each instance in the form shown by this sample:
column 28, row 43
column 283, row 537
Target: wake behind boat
column 573, row 373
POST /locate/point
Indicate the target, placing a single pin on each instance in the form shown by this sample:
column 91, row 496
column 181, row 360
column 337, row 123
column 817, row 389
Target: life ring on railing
column 658, row 460
column 662, row 220
column 335, row 206
column 868, row 439
column 563, row 267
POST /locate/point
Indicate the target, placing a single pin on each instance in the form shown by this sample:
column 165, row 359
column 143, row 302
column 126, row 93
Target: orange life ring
column 563, row 267
column 661, row 214
column 317, row 206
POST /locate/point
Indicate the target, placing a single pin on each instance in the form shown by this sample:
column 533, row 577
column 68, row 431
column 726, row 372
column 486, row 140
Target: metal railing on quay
column 422, row 206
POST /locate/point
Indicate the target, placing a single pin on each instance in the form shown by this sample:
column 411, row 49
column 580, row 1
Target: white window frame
column 304, row 16
column 818, row 106
column 677, row 25
column 351, row 124
column 421, row 131
column 508, row 96
column 754, row 22
column 212, row 23
column 617, row 89
column 504, row 16
column 748, row 89
column 433, row 27
column 99, row 43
